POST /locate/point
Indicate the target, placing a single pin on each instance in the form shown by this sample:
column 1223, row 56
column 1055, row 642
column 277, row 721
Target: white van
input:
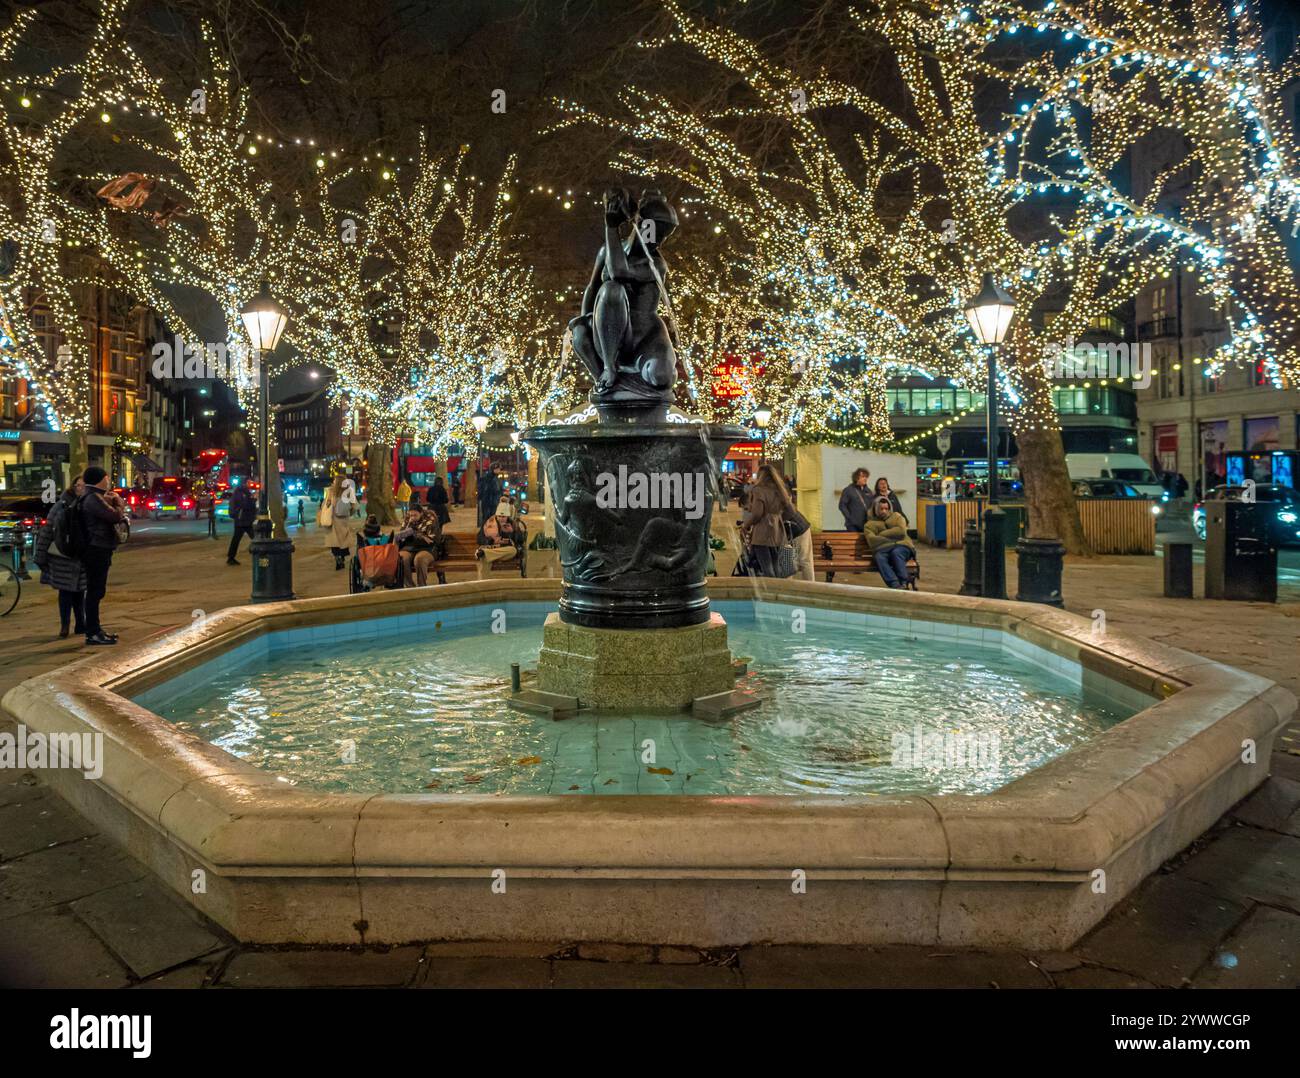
column 1129, row 467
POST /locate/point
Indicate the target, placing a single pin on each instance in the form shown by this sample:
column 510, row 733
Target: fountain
column 633, row 495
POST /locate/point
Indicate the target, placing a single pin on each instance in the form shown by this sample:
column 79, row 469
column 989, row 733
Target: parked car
column 1284, row 501
column 171, row 503
column 1127, row 467
column 1113, row 488
column 134, row 498
column 21, row 515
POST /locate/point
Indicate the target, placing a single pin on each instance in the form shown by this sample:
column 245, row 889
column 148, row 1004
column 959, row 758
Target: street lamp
column 990, row 315
column 264, row 320
column 762, row 417
column 480, row 419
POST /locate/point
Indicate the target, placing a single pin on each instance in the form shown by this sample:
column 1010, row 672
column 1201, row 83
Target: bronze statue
column 629, row 349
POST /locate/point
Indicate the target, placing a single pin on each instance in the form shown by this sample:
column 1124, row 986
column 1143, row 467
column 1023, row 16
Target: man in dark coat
column 855, row 501
column 243, row 511
column 489, row 493
column 101, row 510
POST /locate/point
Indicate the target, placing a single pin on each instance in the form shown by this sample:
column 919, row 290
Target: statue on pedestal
column 628, row 348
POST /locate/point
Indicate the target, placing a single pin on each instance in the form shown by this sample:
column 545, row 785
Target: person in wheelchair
column 886, row 534
column 420, row 545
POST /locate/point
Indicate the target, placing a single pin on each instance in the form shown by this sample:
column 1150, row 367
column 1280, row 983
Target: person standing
column 455, row 488
column 243, row 511
column 855, row 501
column 337, row 511
column 59, row 571
column 489, row 493
column 763, row 526
column 884, row 490
column 212, row 516
column 404, row 493
column 302, row 512
column 438, row 500
column 100, row 510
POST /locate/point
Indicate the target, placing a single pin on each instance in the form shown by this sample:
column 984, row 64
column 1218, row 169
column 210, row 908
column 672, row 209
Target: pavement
column 76, row 911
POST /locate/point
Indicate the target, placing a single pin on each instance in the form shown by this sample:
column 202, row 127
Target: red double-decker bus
column 418, row 466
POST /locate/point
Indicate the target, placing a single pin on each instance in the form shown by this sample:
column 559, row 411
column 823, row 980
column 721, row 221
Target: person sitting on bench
column 886, row 534
column 500, row 537
column 419, row 545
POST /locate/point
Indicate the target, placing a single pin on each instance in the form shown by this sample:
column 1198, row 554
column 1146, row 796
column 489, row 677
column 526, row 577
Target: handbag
column 784, row 562
column 379, row 563
column 123, row 531
column 325, row 515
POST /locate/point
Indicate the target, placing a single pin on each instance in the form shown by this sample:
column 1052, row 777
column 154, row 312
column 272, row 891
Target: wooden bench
column 459, row 549
column 849, row 555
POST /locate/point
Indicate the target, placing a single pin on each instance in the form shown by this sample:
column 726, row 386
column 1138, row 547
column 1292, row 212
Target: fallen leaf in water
column 432, row 785
column 575, row 786
column 528, row 760
column 473, row 778
column 276, row 714
column 610, row 782
column 745, row 747
column 660, row 770
column 813, row 782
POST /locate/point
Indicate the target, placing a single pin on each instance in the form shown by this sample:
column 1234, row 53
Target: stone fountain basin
column 1033, row 865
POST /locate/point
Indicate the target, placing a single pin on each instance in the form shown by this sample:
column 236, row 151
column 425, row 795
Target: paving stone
column 321, row 969
column 1057, row 962
column 491, row 949
column 1261, row 953
column 146, row 927
column 1292, row 825
column 1271, row 805
column 1164, row 931
column 885, row 967
column 578, row 974
column 15, row 785
column 39, row 821
column 1095, row 977
column 52, row 949
column 486, row 973
column 1250, row 865
column 1285, row 765
column 616, row 952
column 678, row 956
column 191, row 975
column 63, row 874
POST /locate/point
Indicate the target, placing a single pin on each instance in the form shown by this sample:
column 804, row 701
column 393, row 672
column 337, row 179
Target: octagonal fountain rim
column 1124, row 801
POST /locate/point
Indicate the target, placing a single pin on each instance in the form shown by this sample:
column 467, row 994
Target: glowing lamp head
column 990, row 312
column 264, row 319
column 480, row 419
column 762, row 416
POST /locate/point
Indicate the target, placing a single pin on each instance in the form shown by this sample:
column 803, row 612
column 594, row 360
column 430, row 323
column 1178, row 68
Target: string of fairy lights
column 819, row 303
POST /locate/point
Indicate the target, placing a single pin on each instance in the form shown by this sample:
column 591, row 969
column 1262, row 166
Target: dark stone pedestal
column 1039, row 563
column 1178, row 570
column 631, row 498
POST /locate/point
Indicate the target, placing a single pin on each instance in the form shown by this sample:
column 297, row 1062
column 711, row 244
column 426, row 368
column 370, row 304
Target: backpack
column 72, row 531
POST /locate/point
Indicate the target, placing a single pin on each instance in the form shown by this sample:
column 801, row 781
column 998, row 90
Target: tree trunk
column 534, row 495
column 1049, row 494
column 469, row 489
column 379, row 484
column 78, row 455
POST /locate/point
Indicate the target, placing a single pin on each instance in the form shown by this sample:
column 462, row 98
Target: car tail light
column 153, row 505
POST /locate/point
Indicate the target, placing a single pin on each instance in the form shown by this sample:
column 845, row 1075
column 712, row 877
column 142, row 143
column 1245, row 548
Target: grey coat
column 65, row 574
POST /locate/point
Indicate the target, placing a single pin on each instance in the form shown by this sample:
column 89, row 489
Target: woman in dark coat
column 64, row 574
column 438, row 499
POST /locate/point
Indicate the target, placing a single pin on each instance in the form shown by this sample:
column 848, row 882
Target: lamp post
column 480, row 420
column 265, row 319
column 990, row 315
column 762, row 416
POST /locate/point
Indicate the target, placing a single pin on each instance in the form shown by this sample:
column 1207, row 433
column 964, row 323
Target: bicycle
column 11, row 587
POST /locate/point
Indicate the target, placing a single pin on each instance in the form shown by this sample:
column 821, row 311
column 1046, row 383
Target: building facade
column 309, row 434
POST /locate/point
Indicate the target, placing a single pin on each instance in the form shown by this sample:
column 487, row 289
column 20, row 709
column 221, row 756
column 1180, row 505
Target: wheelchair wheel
column 354, row 576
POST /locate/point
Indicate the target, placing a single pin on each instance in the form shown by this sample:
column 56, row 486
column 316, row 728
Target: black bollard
column 994, row 578
column 514, row 677
column 1038, row 562
column 972, row 560
column 272, row 565
column 1178, row 570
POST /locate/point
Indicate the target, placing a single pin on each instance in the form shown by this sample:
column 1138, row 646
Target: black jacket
column 100, row 518
column 243, row 507
column 855, row 503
